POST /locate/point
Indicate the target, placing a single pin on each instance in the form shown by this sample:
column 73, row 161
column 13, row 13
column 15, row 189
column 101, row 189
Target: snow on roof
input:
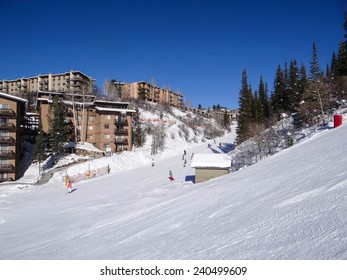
column 83, row 146
column 110, row 101
column 45, row 99
column 68, row 102
column 211, row 160
column 115, row 110
column 9, row 96
column 32, row 114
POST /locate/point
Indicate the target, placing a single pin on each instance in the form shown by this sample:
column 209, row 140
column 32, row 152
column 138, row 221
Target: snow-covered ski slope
column 292, row 205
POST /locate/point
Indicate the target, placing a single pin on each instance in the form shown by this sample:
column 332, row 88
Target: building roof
column 9, row 96
column 211, row 161
column 115, row 110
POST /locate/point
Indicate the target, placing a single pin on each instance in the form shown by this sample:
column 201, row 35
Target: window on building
column 107, row 136
column 90, row 127
column 90, row 119
column 4, row 106
column 107, row 117
column 106, row 126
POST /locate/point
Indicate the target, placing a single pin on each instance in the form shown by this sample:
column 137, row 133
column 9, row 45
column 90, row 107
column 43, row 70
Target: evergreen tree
column 342, row 54
column 226, row 120
column 299, row 115
column 263, row 101
column 138, row 134
column 39, row 153
column 256, row 108
column 315, row 71
column 245, row 110
column 279, row 91
column 293, row 95
column 341, row 67
column 302, row 82
column 59, row 128
column 333, row 67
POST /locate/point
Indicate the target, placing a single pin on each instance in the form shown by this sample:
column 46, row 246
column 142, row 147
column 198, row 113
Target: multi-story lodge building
column 12, row 113
column 73, row 81
column 104, row 123
column 150, row 93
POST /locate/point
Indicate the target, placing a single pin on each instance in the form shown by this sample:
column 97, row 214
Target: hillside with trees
column 310, row 96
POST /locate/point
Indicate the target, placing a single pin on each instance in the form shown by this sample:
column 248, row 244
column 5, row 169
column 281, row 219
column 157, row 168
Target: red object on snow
column 171, row 178
column 337, row 120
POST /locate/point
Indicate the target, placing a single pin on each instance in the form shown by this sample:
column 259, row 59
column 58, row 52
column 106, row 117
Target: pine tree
column 301, row 89
column 333, row 67
column 245, row 110
column 39, row 153
column 138, row 134
column 342, row 55
column 315, row 71
column 279, row 92
column 264, row 103
column 59, row 128
column 293, row 100
column 341, row 67
column 226, row 120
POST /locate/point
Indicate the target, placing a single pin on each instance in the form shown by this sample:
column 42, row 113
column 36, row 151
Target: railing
column 121, row 141
column 121, row 131
column 7, row 154
column 7, row 140
column 7, row 126
column 6, row 167
column 6, row 179
column 121, row 122
column 6, row 112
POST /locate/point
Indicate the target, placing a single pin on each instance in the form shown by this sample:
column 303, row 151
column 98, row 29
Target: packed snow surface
column 289, row 206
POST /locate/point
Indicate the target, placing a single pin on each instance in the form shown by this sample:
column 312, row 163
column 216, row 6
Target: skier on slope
column 170, row 176
column 69, row 186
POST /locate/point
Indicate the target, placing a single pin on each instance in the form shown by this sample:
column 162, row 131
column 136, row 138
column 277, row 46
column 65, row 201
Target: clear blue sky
column 199, row 47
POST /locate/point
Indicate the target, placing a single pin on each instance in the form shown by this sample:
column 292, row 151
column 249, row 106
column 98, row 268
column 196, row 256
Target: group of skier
column 184, row 163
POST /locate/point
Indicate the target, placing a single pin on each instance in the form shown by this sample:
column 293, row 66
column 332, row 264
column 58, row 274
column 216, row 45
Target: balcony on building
column 7, row 126
column 7, row 112
column 121, row 141
column 121, row 121
column 6, row 168
column 7, row 140
column 121, row 131
column 7, row 154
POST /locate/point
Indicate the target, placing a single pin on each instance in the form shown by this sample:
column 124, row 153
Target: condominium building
column 12, row 113
column 149, row 92
column 73, row 81
column 104, row 123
